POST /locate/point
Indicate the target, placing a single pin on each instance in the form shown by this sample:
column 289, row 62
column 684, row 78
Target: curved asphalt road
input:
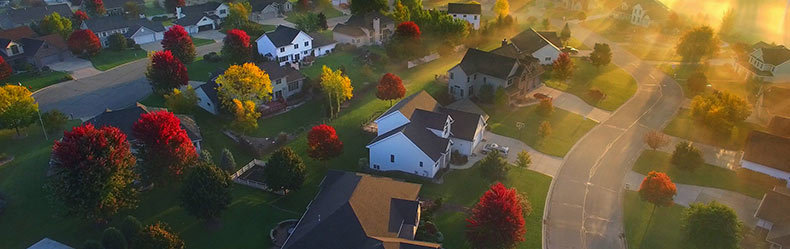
column 116, row 88
column 585, row 207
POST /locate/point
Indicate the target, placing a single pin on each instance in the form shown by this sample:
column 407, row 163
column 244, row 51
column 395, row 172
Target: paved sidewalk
column 571, row 103
column 743, row 205
column 542, row 163
column 728, row 159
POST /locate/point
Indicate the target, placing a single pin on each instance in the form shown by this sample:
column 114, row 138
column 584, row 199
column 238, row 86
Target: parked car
column 570, row 50
column 493, row 146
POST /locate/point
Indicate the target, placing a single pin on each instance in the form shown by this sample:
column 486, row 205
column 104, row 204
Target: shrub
column 687, row 156
column 117, row 42
column 91, row 244
column 212, row 57
column 130, row 228
column 494, row 166
column 486, row 94
column 596, row 95
column 545, row 107
column 54, row 121
column 113, row 239
column 227, row 162
column 458, row 159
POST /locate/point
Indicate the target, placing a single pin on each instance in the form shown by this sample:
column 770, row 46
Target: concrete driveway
column 574, row 104
column 542, row 163
column 78, row 68
column 211, row 35
column 152, row 46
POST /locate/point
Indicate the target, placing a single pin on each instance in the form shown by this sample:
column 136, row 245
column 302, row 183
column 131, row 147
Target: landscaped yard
column 463, row 188
column 664, row 230
column 613, row 81
column 201, row 70
column 688, row 127
column 720, row 77
column 200, row 41
column 329, row 12
column 108, row 58
column 567, row 128
column 742, row 180
column 38, row 80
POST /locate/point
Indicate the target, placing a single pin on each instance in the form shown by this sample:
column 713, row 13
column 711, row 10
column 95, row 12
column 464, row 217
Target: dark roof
column 282, row 35
column 112, row 4
column 124, row 119
column 354, row 207
column 429, row 119
column 200, row 8
column 508, row 50
column 406, row 106
column 210, row 88
column 189, row 20
column 320, row 40
column 464, row 8
column 464, row 123
column 773, row 208
column 23, row 16
column 55, row 40
column 366, row 20
column 430, row 144
column 776, row 55
column 348, row 30
column 768, row 150
column 109, row 23
column 258, row 5
column 190, row 126
column 478, row 61
column 779, row 126
column 275, row 71
column 17, row 33
column 530, row 41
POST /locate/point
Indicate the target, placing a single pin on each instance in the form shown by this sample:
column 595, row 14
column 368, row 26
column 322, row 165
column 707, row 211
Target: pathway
column 743, row 205
column 574, row 104
column 542, row 163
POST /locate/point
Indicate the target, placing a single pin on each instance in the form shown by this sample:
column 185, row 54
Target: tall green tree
column 206, row 192
column 698, row 44
column 365, row 6
column 601, row 55
column 227, row 162
column 56, row 24
column 400, row 13
column 494, row 166
column 284, row 171
column 727, row 22
column 17, row 107
column 565, row 34
column 712, row 225
column 112, row 238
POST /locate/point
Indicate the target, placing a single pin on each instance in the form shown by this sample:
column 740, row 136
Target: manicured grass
column 742, row 180
column 686, row 126
column 152, row 10
column 200, row 69
column 567, row 127
column 664, row 230
column 38, row 80
column 720, row 77
column 613, row 81
column 109, row 58
column 329, row 12
column 200, row 41
column 464, row 188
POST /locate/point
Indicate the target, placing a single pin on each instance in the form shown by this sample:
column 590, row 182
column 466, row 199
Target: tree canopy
column 285, row 170
column 236, row 46
column 720, row 110
column 178, row 41
column 164, row 147
column 166, row 72
column 497, row 220
column 390, row 88
column 365, row 6
column 601, row 55
column 712, row 225
column 658, row 189
column 697, row 44
column 337, row 88
column 159, row 236
column 246, row 82
column 494, row 165
column 206, row 191
column 56, row 24
column 84, row 42
column 17, row 107
column 502, row 8
column 323, row 143
column 563, row 67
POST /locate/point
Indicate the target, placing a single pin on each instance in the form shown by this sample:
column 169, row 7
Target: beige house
column 768, row 62
column 365, row 29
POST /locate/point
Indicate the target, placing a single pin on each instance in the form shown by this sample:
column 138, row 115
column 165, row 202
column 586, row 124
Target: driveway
column 211, row 35
column 152, row 46
column 115, row 88
column 542, row 163
column 78, row 68
column 574, row 104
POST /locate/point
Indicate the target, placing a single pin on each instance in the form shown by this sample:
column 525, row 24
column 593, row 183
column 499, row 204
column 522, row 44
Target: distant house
column 578, row 5
column 417, row 135
column 767, row 152
column 469, row 12
column 118, row 7
column 339, row 2
column 124, row 120
column 767, row 62
column 140, row 30
column 189, row 2
column 479, row 68
column 47, row 243
column 207, row 96
column 201, row 17
column 285, row 45
column 268, row 9
column 543, row 46
column 372, row 28
column 22, row 45
column 359, row 211
column 643, row 13
column 773, row 216
column 13, row 18
column 286, row 81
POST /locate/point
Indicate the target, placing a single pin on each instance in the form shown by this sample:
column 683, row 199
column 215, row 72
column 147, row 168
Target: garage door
column 205, row 27
column 142, row 39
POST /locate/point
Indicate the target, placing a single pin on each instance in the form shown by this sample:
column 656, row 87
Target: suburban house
column 207, row 96
column 767, row 152
column 201, row 17
column 543, row 46
column 496, row 69
column 339, row 2
column 768, row 62
column 124, row 120
column 772, row 215
column 118, row 7
column 469, row 12
column 268, row 9
column 140, row 30
column 188, row 2
column 285, row 45
column 359, row 211
column 372, row 28
column 417, row 135
column 22, row 45
column 13, row 18
column 578, row 5
column 322, row 44
column 643, row 13
column 47, row 243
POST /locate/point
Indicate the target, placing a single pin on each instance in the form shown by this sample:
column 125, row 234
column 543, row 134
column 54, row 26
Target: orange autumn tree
column 390, row 88
column 657, row 189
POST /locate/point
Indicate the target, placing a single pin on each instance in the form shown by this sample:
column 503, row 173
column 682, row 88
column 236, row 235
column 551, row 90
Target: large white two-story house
column 469, row 12
column 417, row 136
column 285, row 45
column 643, row 13
column 768, row 62
column 496, row 69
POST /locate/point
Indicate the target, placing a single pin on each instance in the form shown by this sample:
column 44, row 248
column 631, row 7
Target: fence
column 236, row 177
column 420, row 61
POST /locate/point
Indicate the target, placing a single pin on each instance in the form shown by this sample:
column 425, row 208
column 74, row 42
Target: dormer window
column 14, row 49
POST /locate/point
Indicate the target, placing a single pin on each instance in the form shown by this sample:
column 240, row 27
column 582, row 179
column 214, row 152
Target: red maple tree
column 94, row 172
column 408, row 30
column 5, row 69
column 178, row 41
column 79, row 17
column 163, row 146
column 236, row 46
column 95, row 7
column 84, row 41
column 166, row 72
column 658, row 189
column 497, row 220
column 323, row 143
column 563, row 67
column 390, row 88
column 170, row 5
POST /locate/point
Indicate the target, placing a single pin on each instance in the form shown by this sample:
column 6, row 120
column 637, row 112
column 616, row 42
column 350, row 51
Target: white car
column 493, row 146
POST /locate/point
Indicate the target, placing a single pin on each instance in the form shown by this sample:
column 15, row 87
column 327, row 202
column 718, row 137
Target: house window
column 376, row 166
column 451, row 75
column 475, row 17
column 293, row 86
column 485, row 79
column 509, row 82
column 392, row 158
column 222, row 11
column 548, row 59
column 282, row 49
column 14, row 49
column 284, row 58
column 467, row 78
column 296, row 46
column 464, row 16
column 475, row 77
column 420, row 164
column 305, row 52
column 307, row 43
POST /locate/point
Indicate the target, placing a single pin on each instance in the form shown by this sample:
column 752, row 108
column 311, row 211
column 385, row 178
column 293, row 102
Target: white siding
column 766, row 170
column 547, row 54
column 324, row 50
column 472, row 19
column 205, row 103
column 391, row 121
column 457, row 83
column 462, row 146
column 406, row 154
column 347, row 39
column 293, row 52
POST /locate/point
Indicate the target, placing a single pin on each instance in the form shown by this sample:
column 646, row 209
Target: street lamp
column 39, row 118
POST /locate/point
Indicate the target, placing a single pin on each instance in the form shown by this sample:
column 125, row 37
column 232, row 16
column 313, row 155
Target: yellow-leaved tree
column 337, row 88
column 17, row 107
column 502, row 8
column 244, row 82
column 246, row 115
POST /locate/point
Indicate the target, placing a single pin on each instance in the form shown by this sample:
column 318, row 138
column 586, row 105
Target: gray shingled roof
column 22, row 16
column 530, row 41
column 210, row 88
column 189, row 20
column 282, row 35
column 320, row 40
column 112, row 4
column 776, row 55
column 464, row 8
column 200, row 8
column 366, row 20
column 419, row 100
column 349, row 30
column 109, row 23
column 124, row 120
column 464, row 123
column 275, row 71
column 478, row 61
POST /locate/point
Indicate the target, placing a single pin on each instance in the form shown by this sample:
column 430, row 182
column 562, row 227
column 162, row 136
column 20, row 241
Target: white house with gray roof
column 480, row 68
column 469, row 12
column 201, row 17
column 768, row 62
column 285, row 45
column 140, row 30
column 371, row 28
column 417, row 135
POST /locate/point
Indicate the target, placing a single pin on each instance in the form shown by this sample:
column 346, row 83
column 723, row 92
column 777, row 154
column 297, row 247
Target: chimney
column 178, row 12
column 504, row 42
column 376, row 30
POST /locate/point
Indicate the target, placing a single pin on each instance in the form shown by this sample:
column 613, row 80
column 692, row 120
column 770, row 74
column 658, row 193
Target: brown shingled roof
column 17, row 33
column 780, row 126
column 768, row 149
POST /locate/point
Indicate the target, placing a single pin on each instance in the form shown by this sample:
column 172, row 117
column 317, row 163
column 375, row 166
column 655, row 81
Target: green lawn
column 152, row 10
column 613, row 81
column 464, row 188
column 664, row 229
column 686, row 126
column 329, row 12
column 720, row 77
column 40, row 80
column 200, row 69
column 567, row 128
column 742, row 180
column 108, row 58
column 200, row 41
